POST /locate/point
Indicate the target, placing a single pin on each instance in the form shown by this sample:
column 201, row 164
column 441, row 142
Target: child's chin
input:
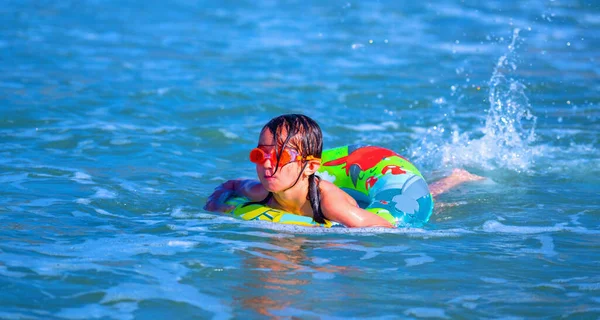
column 268, row 186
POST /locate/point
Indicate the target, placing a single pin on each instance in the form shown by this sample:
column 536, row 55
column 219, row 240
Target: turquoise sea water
column 118, row 118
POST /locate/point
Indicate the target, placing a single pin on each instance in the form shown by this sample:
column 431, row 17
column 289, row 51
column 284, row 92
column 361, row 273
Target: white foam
column 574, row 294
column 422, row 259
column 104, row 194
column 188, row 174
column 367, row 231
column 493, row 280
column 373, row 252
column 319, row 261
column 178, row 213
column 106, row 213
column 148, row 222
column 567, row 280
column 180, row 243
column 323, row 275
column 262, row 234
column 55, row 137
column 547, row 248
column 228, row 134
column 80, row 214
column 575, row 218
column 82, row 178
column 129, row 186
column 120, row 142
column 495, row 226
column 461, row 299
column 589, row 286
column 469, row 305
column 427, row 234
column 547, row 245
column 426, row 313
column 83, row 201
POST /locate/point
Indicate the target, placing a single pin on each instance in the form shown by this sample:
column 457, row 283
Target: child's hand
column 216, row 201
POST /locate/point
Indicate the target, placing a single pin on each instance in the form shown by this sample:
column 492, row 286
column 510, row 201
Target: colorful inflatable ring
column 381, row 181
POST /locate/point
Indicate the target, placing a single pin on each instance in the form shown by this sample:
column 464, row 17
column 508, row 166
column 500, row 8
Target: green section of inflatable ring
column 344, row 181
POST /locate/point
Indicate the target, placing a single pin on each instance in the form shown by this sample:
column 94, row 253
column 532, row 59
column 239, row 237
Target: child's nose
column 267, row 163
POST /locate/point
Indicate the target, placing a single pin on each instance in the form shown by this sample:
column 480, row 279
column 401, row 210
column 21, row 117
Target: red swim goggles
column 259, row 156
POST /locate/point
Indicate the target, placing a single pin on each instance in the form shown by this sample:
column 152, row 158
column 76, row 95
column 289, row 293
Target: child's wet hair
column 301, row 133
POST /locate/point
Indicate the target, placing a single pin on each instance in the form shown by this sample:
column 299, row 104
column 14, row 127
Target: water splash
column 509, row 107
column 506, row 139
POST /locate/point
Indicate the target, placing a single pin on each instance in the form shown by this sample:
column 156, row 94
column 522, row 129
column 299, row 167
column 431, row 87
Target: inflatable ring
column 380, row 180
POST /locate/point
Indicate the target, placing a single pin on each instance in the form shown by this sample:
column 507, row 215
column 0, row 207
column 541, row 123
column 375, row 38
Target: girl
column 287, row 156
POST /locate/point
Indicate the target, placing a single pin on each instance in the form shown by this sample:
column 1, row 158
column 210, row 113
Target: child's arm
column 340, row 207
column 251, row 189
column 458, row 176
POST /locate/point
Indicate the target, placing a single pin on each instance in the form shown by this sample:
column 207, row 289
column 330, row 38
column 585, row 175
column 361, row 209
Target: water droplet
column 568, row 44
column 439, row 100
column 371, row 41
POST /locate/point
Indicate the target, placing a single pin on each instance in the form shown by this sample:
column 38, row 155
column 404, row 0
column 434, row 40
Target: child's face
column 286, row 174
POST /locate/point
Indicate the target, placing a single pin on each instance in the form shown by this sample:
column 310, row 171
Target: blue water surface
column 118, row 119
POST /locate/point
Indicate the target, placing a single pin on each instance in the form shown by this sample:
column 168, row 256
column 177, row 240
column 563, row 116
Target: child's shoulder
column 334, row 197
column 326, row 186
column 333, row 193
